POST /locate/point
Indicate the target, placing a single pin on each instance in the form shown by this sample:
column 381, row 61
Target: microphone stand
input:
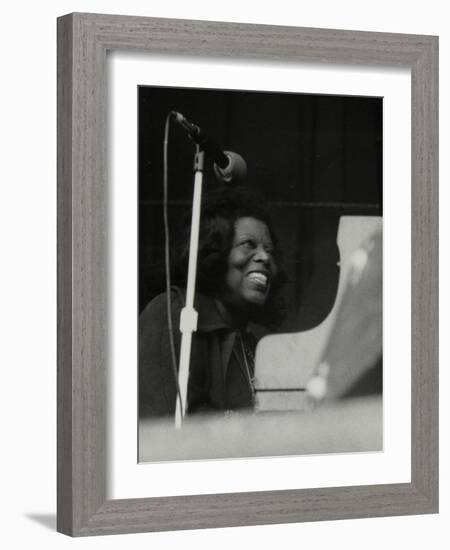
column 189, row 316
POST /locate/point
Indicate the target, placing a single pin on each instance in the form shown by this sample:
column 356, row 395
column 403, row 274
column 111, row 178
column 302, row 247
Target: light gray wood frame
column 83, row 41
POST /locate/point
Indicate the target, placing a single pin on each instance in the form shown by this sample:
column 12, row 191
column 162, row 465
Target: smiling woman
column 238, row 283
column 251, row 266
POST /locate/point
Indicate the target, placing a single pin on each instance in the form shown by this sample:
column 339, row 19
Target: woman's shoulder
column 158, row 304
column 155, row 312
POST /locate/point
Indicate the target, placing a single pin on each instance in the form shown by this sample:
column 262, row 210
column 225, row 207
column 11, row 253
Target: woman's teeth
column 259, row 278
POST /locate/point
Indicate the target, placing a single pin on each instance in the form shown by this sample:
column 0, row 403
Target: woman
column 238, row 282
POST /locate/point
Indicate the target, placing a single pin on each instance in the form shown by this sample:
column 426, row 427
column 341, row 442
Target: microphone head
column 234, row 172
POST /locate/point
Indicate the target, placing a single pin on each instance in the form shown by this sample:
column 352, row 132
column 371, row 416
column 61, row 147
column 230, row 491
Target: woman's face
column 251, row 266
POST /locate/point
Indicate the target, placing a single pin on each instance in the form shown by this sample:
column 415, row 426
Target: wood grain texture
column 64, row 335
column 424, row 259
column 83, row 40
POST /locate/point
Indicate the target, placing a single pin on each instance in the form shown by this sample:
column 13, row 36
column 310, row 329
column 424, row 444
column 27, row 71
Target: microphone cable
column 167, row 259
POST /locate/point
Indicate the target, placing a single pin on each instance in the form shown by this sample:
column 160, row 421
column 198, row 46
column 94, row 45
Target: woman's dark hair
column 220, row 210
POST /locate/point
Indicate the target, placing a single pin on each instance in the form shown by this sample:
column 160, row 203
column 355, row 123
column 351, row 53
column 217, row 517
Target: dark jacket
column 217, row 379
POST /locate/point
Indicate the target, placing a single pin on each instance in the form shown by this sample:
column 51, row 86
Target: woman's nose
column 261, row 255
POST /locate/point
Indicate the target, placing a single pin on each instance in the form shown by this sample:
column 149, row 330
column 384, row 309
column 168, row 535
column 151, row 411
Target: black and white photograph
column 260, row 273
column 221, row 305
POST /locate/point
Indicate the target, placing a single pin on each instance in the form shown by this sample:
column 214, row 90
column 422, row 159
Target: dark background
column 314, row 157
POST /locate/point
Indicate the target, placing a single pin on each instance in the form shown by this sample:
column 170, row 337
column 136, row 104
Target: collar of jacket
column 209, row 316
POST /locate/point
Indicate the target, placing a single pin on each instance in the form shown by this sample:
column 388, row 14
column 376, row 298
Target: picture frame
column 83, row 41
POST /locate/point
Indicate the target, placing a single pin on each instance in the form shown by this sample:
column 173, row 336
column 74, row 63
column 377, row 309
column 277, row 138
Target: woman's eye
column 248, row 243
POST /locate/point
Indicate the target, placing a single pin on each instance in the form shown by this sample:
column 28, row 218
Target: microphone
column 228, row 166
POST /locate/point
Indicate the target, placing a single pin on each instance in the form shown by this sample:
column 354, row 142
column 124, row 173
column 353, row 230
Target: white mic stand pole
column 188, row 319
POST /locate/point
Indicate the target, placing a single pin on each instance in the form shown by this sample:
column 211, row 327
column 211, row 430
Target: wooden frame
column 83, row 40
